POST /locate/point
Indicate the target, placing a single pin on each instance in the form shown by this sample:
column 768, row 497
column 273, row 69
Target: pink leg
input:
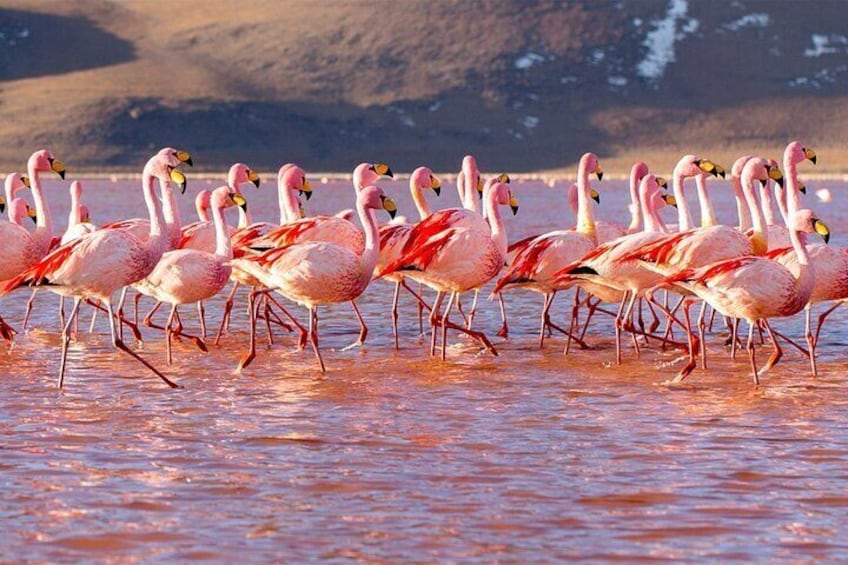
column 445, row 320
column 751, row 355
column 395, row 314
column 811, row 340
column 313, row 334
column 169, row 329
column 434, row 321
column 228, row 307
column 778, row 352
column 618, row 324
column 29, row 308
column 504, row 331
column 202, row 315
column 363, row 329
column 702, row 334
column 66, row 341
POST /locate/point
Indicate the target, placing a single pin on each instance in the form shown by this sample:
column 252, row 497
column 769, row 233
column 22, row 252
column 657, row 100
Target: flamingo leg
column 7, row 332
column 822, row 317
column 363, row 329
column 628, row 321
column 575, row 313
column 93, row 317
column 267, row 315
column 29, row 309
column 148, row 320
column 434, row 321
column 121, row 311
column 712, row 318
column 778, row 352
column 313, row 333
column 136, row 300
column 751, row 356
column 811, row 340
column 546, row 303
column 460, row 310
column 734, row 338
column 62, row 312
column 395, row 314
column 618, row 324
column 97, row 305
column 549, row 324
column 445, row 320
column 228, row 307
column 118, row 343
column 169, row 330
column 251, row 354
column 504, row 331
column 473, row 311
column 668, row 330
column 66, row 341
column 702, row 333
column 303, row 333
column 421, row 306
column 201, row 313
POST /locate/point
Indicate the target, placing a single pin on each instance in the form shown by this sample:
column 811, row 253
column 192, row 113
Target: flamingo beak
column 184, row 157
column 662, row 183
column 436, row 185
column 503, row 177
column 253, row 177
column 179, row 178
column 707, row 166
column 802, row 188
column 720, row 171
column 599, row 172
column 669, row 200
column 239, row 200
column 513, row 204
column 595, row 196
column 2, row 204
column 480, row 187
column 25, row 180
column 33, row 215
column 775, row 174
column 821, row 229
column 383, row 170
column 389, row 206
column 57, row 167
column 306, row 190
column 810, row 154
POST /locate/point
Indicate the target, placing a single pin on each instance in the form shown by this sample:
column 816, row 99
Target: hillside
column 524, row 86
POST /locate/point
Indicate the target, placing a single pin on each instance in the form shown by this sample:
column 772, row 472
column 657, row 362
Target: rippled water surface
column 393, row 457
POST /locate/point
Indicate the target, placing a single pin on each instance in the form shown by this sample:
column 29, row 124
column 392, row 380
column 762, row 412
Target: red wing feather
column 40, row 273
column 704, row 274
column 524, row 264
column 420, row 258
column 428, row 228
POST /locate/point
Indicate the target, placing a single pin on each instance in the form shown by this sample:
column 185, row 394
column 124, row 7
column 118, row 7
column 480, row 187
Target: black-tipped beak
column 802, row 188
column 437, row 190
column 57, row 167
column 600, row 175
column 389, row 173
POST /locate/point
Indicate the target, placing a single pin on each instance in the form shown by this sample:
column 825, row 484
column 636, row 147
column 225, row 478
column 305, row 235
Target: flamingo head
column 202, row 202
column 43, row 160
column 240, row 173
column 164, row 166
column 30, row 211
column 502, row 195
column 294, row 178
column 373, row 198
column 590, row 163
column 76, row 190
column 366, row 174
column 738, row 165
column 85, row 216
column 422, row 178
column 796, row 153
column 805, row 221
column 637, row 172
column 224, row 197
column 14, row 183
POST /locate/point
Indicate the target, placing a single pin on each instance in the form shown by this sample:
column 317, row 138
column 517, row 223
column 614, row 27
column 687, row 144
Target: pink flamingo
column 534, row 265
column 318, row 273
column 13, row 184
column 184, row 276
column 757, row 289
column 79, row 223
column 100, row 263
column 467, row 181
column 456, row 250
column 393, row 237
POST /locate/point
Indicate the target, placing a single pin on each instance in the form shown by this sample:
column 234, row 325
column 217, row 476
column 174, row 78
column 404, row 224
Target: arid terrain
column 524, row 86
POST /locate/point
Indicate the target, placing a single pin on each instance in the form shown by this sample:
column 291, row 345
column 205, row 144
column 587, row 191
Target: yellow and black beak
column 480, row 187
column 179, row 178
column 253, row 177
column 513, row 203
column 595, row 196
column 669, row 200
column 32, row 214
column 662, row 183
column 821, row 229
column 599, row 172
column 503, row 177
column 184, row 157
column 306, row 189
column 25, row 180
column 436, row 185
column 810, row 154
column 707, row 166
column 239, row 200
column 389, row 206
column 383, row 170
column 2, row 204
column 775, row 174
column 57, row 167
column 720, row 171
column 802, row 188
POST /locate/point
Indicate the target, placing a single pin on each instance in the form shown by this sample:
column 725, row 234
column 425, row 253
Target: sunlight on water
column 392, row 456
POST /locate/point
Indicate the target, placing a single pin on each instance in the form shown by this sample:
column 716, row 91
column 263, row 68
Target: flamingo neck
column 371, row 254
column 806, row 274
column 742, row 209
column 585, row 221
column 759, row 239
column 170, row 213
column 10, row 197
column 635, row 207
column 156, row 243
column 708, row 218
column 496, row 223
column 469, row 199
column 245, row 218
column 767, row 200
column 653, row 223
column 684, row 216
column 74, row 215
column 793, row 195
column 289, row 206
column 781, row 204
column 202, row 212
column 44, row 223
column 419, row 199
column 223, row 245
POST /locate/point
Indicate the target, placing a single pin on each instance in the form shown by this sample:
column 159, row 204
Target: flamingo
column 393, row 237
column 467, row 181
column 534, row 265
column 318, row 273
column 757, row 289
column 13, row 184
column 183, row 276
column 79, row 223
column 99, row 264
column 456, row 250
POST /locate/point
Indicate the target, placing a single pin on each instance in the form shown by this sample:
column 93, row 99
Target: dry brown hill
column 524, row 86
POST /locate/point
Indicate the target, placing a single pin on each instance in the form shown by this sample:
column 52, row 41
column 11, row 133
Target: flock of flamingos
column 760, row 269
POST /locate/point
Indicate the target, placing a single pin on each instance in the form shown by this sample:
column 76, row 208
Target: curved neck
column 793, row 195
column 469, row 200
column 170, row 212
column 585, row 221
column 287, row 199
column 369, row 257
column 768, row 208
column 742, row 209
column 635, row 207
column 684, row 216
column 781, row 204
column 652, row 221
column 245, row 219
column 202, row 212
column 44, row 223
column 496, row 223
column 154, row 211
column 74, row 215
column 708, row 218
column 10, row 197
column 419, row 200
column 223, row 246
column 759, row 239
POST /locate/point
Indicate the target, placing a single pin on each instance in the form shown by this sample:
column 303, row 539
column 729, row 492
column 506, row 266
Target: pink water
column 395, row 457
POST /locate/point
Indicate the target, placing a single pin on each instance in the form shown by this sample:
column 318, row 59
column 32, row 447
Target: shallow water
column 393, row 457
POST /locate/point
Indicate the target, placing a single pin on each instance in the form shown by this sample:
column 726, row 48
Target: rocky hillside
column 524, row 86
